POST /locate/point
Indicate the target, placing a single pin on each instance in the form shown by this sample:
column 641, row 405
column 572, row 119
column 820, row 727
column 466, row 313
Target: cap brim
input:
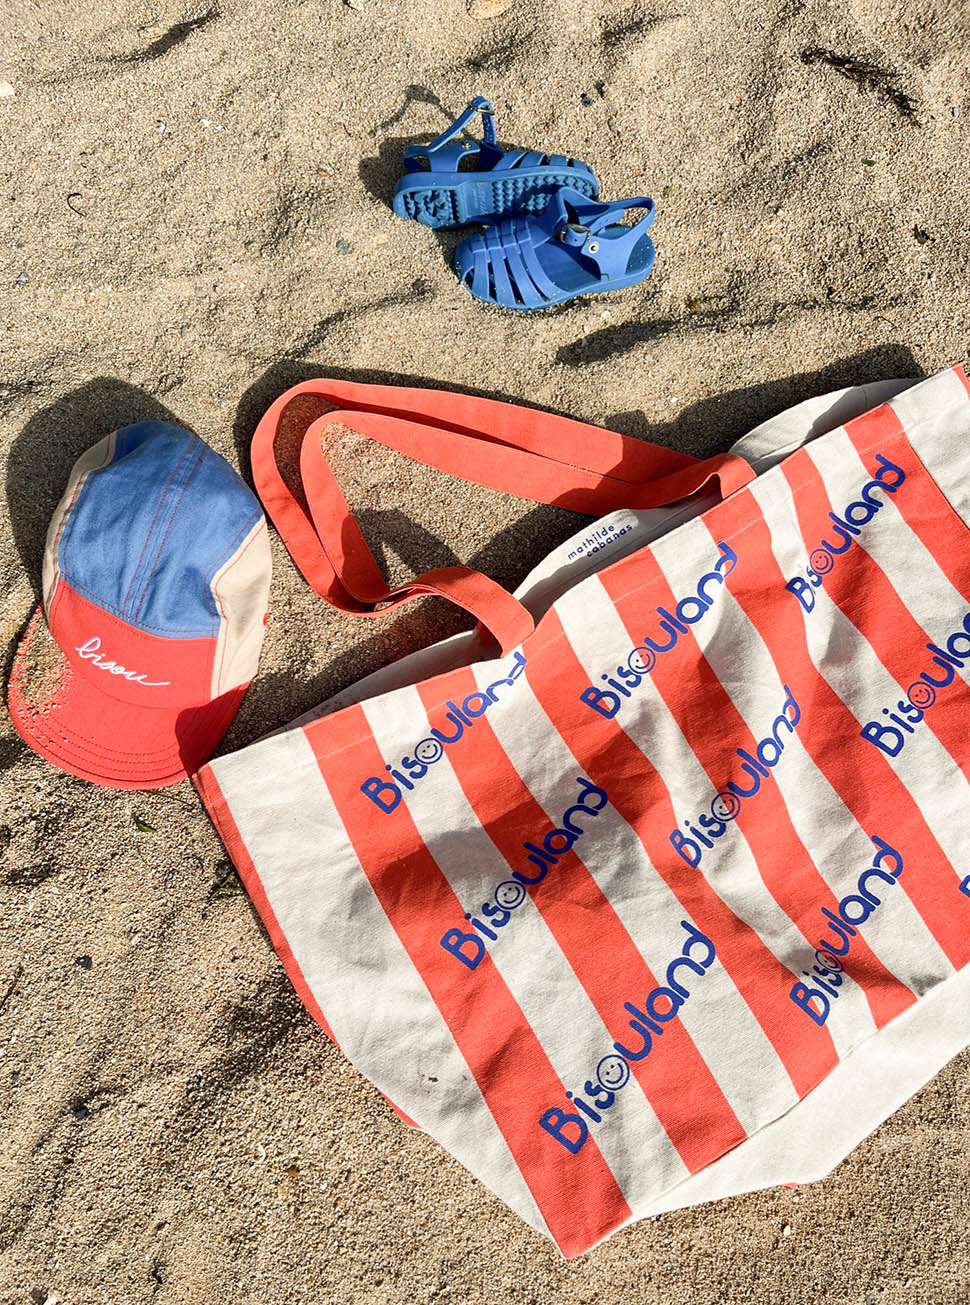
column 68, row 721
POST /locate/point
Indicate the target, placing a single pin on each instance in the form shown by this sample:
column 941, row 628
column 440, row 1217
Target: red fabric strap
column 521, row 451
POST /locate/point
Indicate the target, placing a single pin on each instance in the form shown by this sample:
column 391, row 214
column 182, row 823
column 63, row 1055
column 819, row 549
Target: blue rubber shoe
column 575, row 247
column 451, row 183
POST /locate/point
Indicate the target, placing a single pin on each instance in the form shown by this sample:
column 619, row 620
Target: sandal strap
column 445, row 152
column 557, row 218
column 578, row 222
column 618, row 208
column 543, row 284
column 478, row 105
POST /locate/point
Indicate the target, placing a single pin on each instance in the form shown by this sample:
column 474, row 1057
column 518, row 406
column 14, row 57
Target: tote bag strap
column 521, row 451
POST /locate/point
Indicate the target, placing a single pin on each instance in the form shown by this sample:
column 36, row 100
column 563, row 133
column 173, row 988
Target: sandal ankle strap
column 611, row 253
column 445, row 152
column 478, row 105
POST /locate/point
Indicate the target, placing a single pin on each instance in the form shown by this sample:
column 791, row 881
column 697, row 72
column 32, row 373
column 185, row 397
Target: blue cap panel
column 150, row 530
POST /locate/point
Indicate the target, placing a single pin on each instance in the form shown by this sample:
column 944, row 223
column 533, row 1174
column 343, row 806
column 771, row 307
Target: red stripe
column 858, row 772
column 577, row 1194
column 862, row 591
column 786, row 869
column 636, row 789
column 675, row 1078
column 920, row 501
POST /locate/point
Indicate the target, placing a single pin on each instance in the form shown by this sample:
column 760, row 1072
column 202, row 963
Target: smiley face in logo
column 725, row 806
column 921, row 694
column 509, row 895
column 612, row 1073
column 428, row 751
column 822, row 561
column 642, row 660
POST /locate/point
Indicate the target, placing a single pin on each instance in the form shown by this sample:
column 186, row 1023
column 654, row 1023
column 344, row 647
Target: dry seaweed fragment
column 866, row 76
column 11, row 987
column 228, row 885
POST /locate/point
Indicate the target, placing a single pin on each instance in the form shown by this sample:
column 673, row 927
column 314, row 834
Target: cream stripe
column 877, row 1078
column 652, row 916
column 936, row 416
column 908, row 564
column 837, row 844
column 526, row 953
column 354, row 963
column 853, row 671
column 601, row 641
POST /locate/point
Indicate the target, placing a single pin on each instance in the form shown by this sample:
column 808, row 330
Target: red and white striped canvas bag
column 663, row 893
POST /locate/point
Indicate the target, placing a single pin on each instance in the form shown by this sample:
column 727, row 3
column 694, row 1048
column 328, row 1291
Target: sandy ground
column 194, row 216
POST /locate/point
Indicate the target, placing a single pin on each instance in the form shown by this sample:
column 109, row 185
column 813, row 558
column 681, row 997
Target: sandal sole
column 444, row 207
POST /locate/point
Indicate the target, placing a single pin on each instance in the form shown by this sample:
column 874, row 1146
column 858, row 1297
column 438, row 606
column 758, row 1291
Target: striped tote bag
column 659, row 878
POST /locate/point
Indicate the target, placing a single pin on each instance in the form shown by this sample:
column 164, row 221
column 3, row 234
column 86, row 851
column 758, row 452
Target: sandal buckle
column 574, row 234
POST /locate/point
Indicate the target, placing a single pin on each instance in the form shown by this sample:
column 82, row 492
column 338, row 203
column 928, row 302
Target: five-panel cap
column 156, row 581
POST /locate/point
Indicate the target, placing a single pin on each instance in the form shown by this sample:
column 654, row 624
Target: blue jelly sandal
column 575, row 247
column 450, row 183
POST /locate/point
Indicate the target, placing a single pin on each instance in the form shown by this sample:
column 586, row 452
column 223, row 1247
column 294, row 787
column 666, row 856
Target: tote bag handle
column 521, row 451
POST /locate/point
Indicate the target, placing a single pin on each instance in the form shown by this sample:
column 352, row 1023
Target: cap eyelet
column 593, row 247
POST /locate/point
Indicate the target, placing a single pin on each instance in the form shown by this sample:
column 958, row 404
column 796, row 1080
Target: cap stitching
column 168, row 529
column 241, row 534
column 131, row 767
column 141, row 555
column 144, row 626
column 112, row 756
column 67, row 520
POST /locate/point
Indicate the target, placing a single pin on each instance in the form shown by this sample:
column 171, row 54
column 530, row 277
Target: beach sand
column 195, row 216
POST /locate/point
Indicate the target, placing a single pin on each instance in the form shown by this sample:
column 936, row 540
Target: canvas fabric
column 156, row 574
column 663, row 895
